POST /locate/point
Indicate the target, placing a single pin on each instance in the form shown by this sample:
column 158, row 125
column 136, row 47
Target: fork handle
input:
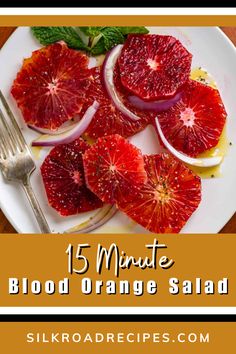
column 42, row 222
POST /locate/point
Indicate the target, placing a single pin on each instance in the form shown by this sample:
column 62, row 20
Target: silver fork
column 16, row 161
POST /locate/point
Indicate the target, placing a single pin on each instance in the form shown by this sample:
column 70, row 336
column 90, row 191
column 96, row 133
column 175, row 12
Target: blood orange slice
column 154, row 67
column 109, row 120
column 168, row 199
column 63, row 177
column 145, row 115
column 195, row 123
column 51, row 86
column 113, row 167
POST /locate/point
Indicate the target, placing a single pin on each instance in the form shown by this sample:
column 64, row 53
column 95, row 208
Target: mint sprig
column 99, row 39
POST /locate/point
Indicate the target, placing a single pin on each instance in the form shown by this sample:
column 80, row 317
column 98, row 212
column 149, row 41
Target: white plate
column 212, row 50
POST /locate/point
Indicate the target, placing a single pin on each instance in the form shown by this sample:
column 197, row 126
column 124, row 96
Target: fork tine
column 18, row 134
column 5, row 146
column 3, row 152
column 10, row 137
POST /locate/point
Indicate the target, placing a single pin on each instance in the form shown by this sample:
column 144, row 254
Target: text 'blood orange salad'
column 113, row 167
column 51, row 86
column 63, row 178
column 168, row 199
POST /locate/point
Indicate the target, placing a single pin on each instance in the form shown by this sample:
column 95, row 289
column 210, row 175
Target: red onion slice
column 194, row 161
column 72, row 134
column 61, row 130
column 156, row 106
column 107, row 73
column 99, row 219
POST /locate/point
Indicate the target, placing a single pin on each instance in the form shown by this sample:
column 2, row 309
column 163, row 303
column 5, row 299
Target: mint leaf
column 138, row 30
column 49, row 35
column 91, row 31
column 95, row 31
column 109, row 37
column 99, row 47
column 112, row 36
